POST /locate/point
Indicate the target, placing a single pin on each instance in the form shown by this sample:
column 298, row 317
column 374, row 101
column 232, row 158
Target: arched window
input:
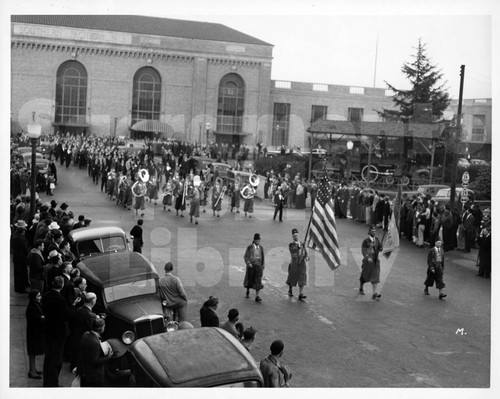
column 230, row 106
column 71, row 94
column 147, row 95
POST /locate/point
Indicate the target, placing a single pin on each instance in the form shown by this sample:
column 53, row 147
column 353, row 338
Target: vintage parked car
column 442, row 197
column 479, row 162
column 41, row 163
column 126, row 285
column 91, row 241
column 199, row 357
column 221, row 169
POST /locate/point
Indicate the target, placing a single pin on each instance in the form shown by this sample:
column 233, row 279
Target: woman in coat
column 34, row 331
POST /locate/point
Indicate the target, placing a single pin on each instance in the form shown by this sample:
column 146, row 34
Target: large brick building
column 122, row 75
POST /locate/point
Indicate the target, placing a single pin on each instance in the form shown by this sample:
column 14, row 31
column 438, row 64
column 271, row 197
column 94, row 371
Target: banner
column 391, row 239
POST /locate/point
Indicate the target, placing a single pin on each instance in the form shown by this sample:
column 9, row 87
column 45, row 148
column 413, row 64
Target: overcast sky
column 335, row 42
column 343, row 49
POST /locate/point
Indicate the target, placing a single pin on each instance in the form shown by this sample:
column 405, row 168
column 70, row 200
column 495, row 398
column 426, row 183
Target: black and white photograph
column 261, row 194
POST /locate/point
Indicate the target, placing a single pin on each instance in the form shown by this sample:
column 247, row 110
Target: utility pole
column 457, row 139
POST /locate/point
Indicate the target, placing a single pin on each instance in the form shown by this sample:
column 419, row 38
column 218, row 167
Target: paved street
column 336, row 338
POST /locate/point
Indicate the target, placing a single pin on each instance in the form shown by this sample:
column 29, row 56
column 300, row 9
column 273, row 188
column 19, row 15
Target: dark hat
column 212, row 301
column 371, row 228
column 118, row 347
column 249, row 333
column 295, row 231
column 56, row 234
column 64, row 205
column 53, row 203
column 81, row 218
column 233, row 314
column 256, row 236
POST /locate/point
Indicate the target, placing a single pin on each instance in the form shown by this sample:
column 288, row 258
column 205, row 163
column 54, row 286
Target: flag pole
column 309, row 224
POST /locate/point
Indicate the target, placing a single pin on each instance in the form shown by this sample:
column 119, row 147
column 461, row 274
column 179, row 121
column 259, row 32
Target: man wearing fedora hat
column 254, row 260
column 370, row 268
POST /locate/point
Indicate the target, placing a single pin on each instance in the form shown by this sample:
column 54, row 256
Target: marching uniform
column 167, row 190
column 370, row 267
column 254, row 260
column 235, row 199
column 435, row 269
column 297, row 269
column 217, row 197
column 180, row 203
column 194, row 210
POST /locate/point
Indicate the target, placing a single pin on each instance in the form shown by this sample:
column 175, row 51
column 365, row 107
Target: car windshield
column 101, row 245
column 129, row 290
column 443, row 193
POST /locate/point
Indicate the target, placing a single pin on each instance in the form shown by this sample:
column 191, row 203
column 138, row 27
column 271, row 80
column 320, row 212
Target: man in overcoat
column 370, row 268
column 254, row 260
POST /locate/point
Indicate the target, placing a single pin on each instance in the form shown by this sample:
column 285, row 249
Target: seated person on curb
column 232, row 325
column 248, row 337
column 172, row 293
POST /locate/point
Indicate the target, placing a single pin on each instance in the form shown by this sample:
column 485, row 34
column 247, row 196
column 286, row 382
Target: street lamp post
column 350, row 146
column 34, row 132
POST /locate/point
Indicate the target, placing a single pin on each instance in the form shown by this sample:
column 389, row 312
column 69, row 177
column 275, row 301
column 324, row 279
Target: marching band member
column 120, row 188
column 127, row 194
column 167, row 191
column 139, row 203
column 110, row 189
column 180, row 203
column 248, row 205
column 204, row 189
column 297, row 269
column 235, row 197
column 217, row 196
column 153, row 188
column 195, row 195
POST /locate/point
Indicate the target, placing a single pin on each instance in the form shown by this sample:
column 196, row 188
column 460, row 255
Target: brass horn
column 248, row 192
column 254, row 180
column 144, row 175
column 139, row 189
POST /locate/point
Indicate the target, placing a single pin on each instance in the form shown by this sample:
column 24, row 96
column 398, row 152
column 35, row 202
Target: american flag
column 323, row 230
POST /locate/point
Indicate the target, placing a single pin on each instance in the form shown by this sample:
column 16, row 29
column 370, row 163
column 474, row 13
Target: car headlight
column 128, row 337
column 171, row 326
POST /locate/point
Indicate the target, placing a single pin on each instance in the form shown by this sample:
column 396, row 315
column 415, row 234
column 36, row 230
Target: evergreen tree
column 426, row 101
